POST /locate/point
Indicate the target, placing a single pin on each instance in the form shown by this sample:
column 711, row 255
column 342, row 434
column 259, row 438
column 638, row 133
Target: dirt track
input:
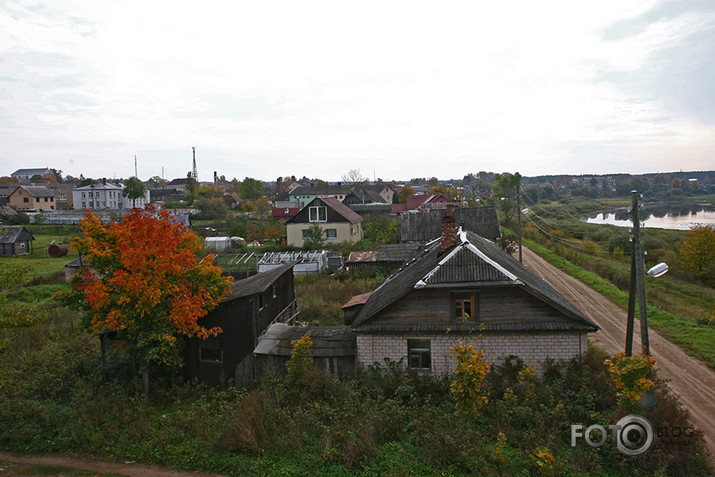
column 128, row 469
column 689, row 378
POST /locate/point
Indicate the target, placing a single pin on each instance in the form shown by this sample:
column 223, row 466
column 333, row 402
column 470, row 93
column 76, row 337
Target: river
column 674, row 217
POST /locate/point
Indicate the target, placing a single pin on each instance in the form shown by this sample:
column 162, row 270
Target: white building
column 106, row 195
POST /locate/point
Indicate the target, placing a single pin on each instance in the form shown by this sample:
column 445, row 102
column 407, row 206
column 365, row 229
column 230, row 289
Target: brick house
column 459, row 286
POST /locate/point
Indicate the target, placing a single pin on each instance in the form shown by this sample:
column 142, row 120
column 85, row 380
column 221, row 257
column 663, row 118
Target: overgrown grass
column 54, row 399
column 39, row 259
column 321, row 296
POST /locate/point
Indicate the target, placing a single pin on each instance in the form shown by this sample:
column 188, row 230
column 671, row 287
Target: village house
column 106, row 195
column 461, row 286
column 24, row 175
column 15, row 240
column 32, row 198
column 338, row 222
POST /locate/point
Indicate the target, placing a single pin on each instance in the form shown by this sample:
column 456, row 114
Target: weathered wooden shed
column 15, row 240
column 425, row 226
column 333, row 348
column 250, row 308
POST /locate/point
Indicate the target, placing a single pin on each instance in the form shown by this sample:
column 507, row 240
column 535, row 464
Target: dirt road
column 82, row 463
column 689, row 378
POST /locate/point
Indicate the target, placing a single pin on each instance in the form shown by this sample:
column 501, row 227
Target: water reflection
column 664, row 216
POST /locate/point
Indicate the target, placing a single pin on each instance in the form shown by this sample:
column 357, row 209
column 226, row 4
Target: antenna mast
column 194, row 174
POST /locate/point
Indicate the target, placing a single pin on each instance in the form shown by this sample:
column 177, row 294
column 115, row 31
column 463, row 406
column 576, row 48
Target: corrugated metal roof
column 368, row 256
column 466, row 266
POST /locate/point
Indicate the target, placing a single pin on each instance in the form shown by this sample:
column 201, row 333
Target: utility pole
column 518, row 220
column 637, row 285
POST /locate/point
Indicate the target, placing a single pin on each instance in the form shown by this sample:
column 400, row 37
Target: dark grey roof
column 38, row 191
column 327, row 341
column 31, row 172
column 368, row 194
column 257, row 283
column 427, row 225
column 14, row 233
column 397, row 252
column 475, row 261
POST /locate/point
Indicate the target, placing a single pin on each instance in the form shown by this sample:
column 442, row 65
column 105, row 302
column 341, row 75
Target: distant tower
column 194, row 174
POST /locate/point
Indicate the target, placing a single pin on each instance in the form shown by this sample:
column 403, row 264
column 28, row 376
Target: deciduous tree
column 314, row 238
column 133, row 189
column 506, row 190
column 697, row 252
column 146, row 283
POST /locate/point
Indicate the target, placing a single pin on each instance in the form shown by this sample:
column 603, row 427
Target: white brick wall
column 533, row 349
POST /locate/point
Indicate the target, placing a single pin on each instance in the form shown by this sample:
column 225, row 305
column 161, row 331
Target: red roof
column 357, row 300
column 415, row 200
column 369, row 256
column 284, row 211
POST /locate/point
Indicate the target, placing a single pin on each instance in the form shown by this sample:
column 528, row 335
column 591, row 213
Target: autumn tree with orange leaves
column 145, row 283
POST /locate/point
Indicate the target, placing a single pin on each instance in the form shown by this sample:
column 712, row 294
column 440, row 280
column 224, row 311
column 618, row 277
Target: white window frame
column 315, row 212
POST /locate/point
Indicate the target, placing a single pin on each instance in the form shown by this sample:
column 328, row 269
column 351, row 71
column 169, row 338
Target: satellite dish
column 658, row 270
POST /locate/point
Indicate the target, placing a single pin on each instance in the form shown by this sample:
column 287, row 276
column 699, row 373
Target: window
column 83, row 196
column 25, row 200
column 210, row 355
column 274, row 292
column 331, row 233
column 318, row 214
column 465, row 307
column 419, row 355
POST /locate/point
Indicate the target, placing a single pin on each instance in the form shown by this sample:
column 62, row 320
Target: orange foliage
column 146, row 283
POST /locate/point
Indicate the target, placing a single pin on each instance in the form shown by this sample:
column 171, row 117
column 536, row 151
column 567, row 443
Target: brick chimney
column 449, row 230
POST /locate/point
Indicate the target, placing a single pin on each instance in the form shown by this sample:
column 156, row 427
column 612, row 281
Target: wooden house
column 460, row 286
column 252, row 305
column 15, row 240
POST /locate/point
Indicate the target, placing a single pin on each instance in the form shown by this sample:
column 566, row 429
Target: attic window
column 465, row 307
column 318, row 214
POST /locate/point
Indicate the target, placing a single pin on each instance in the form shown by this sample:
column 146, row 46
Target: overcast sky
column 395, row 89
